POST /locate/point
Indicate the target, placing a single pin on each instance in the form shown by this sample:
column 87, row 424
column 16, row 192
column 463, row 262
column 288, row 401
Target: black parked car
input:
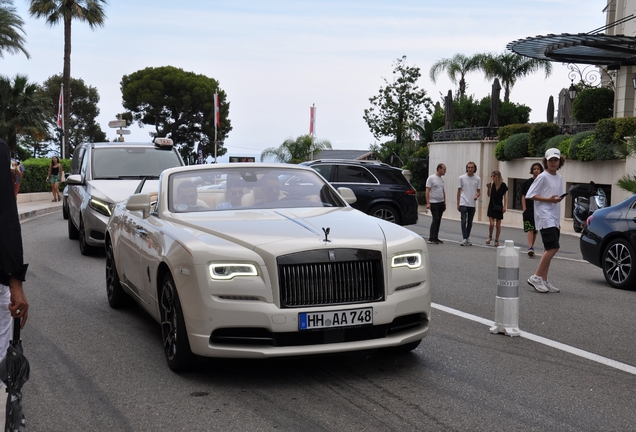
column 381, row 190
column 609, row 242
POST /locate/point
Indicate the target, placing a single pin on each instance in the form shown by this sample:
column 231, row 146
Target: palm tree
column 509, row 67
column 457, row 67
column 24, row 110
column 54, row 11
column 11, row 39
column 295, row 151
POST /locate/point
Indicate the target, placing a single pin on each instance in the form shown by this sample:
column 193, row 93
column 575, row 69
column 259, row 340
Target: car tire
column 176, row 346
column 85, row 248
column 406, row 348
column 73, row 233
column 385, row 212
column 577, row 228
column 117, row 297
column 64, row 209
column 618, row 264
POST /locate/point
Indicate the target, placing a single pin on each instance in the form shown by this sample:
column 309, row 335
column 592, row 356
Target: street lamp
column 572, row 89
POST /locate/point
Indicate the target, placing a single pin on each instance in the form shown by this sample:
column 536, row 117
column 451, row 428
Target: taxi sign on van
column 164, row 143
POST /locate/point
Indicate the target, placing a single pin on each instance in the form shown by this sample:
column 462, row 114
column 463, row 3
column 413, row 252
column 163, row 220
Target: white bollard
column 507, row 300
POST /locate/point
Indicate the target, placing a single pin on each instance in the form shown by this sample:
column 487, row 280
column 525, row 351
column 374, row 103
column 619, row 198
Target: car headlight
column 226, row 271
column 411, row 260
column 102, row 207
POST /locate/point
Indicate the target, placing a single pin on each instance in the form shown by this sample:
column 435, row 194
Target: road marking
column 558, row 345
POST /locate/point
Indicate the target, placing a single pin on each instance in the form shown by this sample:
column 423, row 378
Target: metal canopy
column 584, row 48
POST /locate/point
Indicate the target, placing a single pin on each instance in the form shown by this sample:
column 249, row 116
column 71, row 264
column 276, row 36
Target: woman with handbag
column 55, row 175
column 498, row 193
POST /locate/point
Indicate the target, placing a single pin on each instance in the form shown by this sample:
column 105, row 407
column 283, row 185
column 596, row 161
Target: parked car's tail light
column 411, row 192
column 410, row 260
column 588, row 221
column 227, row 271
column 102, row 207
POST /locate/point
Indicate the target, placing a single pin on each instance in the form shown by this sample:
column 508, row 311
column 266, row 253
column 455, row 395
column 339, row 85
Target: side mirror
column 348, row 195
column 74, row 179
column 139, row 202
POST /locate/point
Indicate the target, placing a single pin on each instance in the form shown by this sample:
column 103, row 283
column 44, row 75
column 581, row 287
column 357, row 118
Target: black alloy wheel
column 73, row 233
column 176, row 346
column 618, row 264
column 116, row 295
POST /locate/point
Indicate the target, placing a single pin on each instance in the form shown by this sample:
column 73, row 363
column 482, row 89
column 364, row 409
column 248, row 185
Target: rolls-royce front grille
column 340, row 276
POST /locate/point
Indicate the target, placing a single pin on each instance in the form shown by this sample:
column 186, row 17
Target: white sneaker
column 464, row 243
column 551, row 288
column 537, row 283
column 468, row 243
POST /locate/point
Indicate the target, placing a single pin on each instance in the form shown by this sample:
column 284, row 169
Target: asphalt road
column 94, row 368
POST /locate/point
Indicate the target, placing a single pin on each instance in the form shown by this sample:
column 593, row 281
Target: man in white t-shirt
column 468, row 192
column 436, row 202
column 547, row 193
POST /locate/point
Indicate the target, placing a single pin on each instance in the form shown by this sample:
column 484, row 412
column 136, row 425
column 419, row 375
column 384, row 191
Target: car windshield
column 222, row 189
column 132, row 162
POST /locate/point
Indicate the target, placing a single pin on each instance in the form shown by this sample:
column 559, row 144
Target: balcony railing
column 486, row 133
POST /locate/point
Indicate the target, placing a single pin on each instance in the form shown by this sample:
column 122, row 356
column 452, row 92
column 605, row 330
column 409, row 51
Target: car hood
column 292, row 229
column 115, row 191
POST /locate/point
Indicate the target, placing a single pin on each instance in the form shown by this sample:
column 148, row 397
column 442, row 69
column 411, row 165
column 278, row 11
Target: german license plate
column 342, row 318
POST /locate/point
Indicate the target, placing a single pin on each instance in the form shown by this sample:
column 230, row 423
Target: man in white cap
column 547, row 193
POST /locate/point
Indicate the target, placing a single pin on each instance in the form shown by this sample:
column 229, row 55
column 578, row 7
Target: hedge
column 576, row 142
column 35, row 173
column 506, row 132
column 539, row 134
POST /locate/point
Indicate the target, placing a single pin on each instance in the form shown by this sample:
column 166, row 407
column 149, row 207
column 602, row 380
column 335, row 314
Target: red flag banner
column 217, row 111
column 312, row 120
column 60, row 108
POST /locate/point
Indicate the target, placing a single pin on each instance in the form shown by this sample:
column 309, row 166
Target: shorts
column 54, row 179
column 528, row 222
column 550, row 237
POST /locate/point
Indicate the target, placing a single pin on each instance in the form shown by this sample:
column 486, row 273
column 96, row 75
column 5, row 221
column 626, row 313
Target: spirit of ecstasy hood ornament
column 326, row 231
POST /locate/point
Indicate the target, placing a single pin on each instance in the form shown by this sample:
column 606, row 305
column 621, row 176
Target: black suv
column 382, row 190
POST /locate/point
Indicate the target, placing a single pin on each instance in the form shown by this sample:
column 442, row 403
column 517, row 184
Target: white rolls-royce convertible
column 264, row 260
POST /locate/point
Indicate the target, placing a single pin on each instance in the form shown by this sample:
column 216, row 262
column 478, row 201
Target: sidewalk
column 35, row 204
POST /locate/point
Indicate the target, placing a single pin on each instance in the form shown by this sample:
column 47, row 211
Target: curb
column 33, row 213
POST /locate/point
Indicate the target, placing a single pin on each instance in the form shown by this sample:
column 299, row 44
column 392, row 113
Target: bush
column 576, row 140
column 564, row 145
column 507, row 131
column 605, row 130
column 625, row 127
column 516, row 146
column 36, row 170
column 416, row 165
column 499, row 151
column 593, row 104
column 553, row 142
column 585, row 149
column 539, row 134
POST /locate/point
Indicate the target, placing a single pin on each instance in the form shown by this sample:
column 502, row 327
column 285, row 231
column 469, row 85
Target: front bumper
column 255, row 329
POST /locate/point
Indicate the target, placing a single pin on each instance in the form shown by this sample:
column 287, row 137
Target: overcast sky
column 275, row 58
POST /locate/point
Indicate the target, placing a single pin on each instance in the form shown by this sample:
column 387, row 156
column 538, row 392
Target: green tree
column 399, row 105
column 65, row 11
column 593, row 104
column 11, row 31
column 457, row 67
column 83, row 112
column 296, row 150
column 178, row 104
column 509, row 67
column 23, row 110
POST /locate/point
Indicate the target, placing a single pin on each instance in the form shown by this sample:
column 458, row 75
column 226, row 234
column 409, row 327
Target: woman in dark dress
column 497, row 191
